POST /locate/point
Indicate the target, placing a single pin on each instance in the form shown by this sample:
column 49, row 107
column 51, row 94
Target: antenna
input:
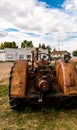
column 58, row 41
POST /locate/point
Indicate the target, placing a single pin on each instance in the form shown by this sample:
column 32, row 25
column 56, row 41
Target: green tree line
column 8, row 45
column 24, row 44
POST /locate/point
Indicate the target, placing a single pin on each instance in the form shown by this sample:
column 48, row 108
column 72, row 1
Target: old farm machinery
column 40, row 81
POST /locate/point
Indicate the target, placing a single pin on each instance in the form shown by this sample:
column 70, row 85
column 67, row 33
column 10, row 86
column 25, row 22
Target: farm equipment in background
column 41, row 81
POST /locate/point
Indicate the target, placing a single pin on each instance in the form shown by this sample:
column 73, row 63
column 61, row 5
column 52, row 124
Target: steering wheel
column 41, row 61
column 41, row 56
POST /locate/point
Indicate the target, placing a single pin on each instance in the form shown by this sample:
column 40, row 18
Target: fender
column 18, row 81
column 67, row 76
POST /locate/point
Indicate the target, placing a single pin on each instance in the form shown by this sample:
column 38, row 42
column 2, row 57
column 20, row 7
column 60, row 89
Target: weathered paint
column 67, row 77
column 41, row 62
column 19, row 78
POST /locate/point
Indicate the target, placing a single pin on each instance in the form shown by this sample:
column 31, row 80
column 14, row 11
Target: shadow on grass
column 45, row 108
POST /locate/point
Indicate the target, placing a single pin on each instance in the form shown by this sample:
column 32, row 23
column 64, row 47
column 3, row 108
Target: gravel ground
column 5, row 69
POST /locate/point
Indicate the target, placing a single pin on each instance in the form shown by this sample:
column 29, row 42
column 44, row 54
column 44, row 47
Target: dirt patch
column 5, row 69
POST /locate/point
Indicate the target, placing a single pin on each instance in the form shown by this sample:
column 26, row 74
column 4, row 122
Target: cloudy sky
column 53, row 22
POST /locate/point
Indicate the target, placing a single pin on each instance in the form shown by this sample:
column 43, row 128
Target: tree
column 1, row 46
column 74, row 53
column 39, row 45
column 26, row 43
column 48, row 47
column 43, row 46
column 8, row 45
column 14, row 45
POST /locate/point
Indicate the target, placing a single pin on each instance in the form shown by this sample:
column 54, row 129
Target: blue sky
column 11, row 30
column 53, row 3
column 53, row 22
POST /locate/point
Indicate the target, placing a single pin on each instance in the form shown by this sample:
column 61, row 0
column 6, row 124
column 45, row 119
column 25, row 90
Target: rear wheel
column 16, row 103
column 13, row 103
column 66, row 102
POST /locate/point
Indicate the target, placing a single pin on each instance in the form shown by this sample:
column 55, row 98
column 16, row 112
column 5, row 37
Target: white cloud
column 70, row 5
column 33, row 16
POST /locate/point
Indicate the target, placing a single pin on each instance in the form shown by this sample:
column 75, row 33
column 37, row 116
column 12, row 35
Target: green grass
column 2, row 80
column 29, row 119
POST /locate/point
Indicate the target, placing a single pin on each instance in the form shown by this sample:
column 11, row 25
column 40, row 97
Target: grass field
column 28, row 119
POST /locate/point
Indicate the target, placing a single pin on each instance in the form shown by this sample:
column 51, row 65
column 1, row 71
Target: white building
column 2, row 55
column 11, row 54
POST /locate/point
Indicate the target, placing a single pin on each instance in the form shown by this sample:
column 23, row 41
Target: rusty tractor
column 39, row 81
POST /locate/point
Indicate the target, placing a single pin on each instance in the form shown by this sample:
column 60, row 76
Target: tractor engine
column 43, row 78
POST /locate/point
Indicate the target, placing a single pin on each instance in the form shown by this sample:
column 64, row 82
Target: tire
column 16, row 103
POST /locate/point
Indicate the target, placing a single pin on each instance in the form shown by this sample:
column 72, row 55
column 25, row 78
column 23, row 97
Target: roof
column 58, row 52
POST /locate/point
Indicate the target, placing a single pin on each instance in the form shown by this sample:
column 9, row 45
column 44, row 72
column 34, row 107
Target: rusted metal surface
column 19, row 78
column 41, row 80
column 41, row 62
column 67, row 77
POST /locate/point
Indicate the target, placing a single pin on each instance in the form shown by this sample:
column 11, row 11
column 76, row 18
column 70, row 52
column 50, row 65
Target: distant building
column 58, row 54
column 12, row 54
